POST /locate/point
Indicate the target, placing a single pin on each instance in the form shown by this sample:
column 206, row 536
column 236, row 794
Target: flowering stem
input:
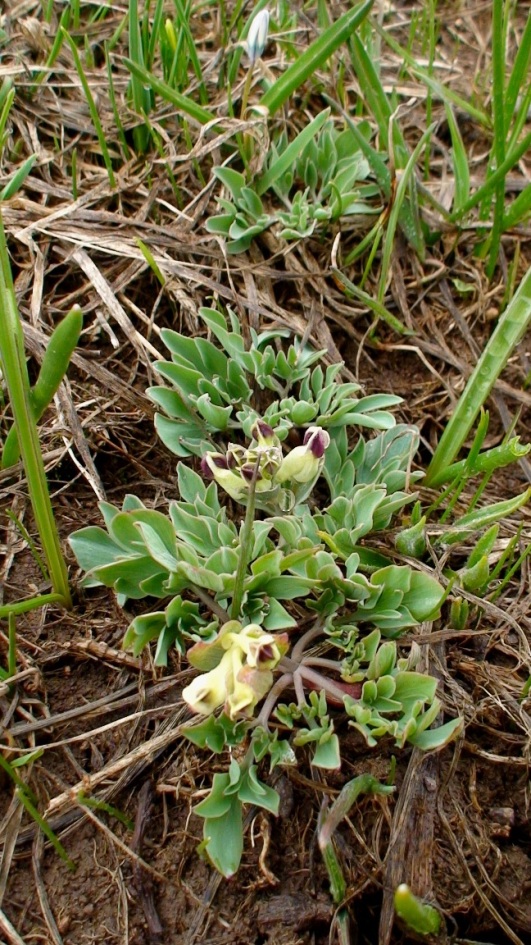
column 212, row 605
column 246, row 533
column 311, row 634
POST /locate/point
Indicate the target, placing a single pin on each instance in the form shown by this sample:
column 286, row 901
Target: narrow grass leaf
column 287, row 158
column 18, row 178
column 520, row 118
column 64, row 24
column 181, row 102
column 45, row 827
column 92, row 109
column 314, row 57
column 485, row 463
column 519, row 210
column 519, row 78
column 507, row 334
column 499, row 35
column 459, row 161
column 376, row 162
column 7, row 96
column 500, row 173
column 376, row 307
column 126, row 153
column 406, row 179
column 183, row 20
column 150, row 259
column 14, row 369
column 140, row 93
column 371, row 89
column 154, row 32
column 440, row 91
column 33, row 603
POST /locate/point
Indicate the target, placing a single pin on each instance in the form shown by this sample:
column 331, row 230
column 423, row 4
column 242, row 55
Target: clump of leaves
column 319, row 177
column 287, row 598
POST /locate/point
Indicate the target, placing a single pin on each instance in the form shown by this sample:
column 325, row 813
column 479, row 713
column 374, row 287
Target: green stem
column 246, row 534
column 12, row 645
column 15, row 372
column 24, row 606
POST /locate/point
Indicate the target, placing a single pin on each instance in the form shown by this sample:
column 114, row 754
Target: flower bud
column 264, row 434
column 257, row 36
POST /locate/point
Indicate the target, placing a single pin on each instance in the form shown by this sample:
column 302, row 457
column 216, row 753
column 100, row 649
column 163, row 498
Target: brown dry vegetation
column 459, row 828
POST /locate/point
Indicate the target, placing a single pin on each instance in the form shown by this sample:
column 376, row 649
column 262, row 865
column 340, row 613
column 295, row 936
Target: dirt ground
column 458, row 827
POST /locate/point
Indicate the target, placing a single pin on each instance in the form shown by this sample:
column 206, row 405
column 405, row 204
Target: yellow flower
column 304, row 463
column 242, row 676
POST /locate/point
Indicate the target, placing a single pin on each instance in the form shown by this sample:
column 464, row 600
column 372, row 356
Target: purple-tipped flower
column 244, row 658
column 304, row 463
column 317, row 440
column 217, row 466
column 211, row 461
column 264, row 434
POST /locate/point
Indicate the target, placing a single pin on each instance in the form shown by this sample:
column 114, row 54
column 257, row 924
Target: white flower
column 257, row 36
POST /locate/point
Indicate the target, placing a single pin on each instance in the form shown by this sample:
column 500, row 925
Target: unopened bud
column 257, row 36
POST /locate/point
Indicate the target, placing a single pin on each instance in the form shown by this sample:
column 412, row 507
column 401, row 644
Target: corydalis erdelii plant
column 290, row 599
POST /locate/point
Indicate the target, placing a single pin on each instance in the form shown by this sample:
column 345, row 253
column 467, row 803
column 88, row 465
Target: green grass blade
column 92, row 109
column 182, row 102
column 151, row 261
column 519, row 77
column 520, row 118
column 18, row 178
column 141, row 94
column 406, row 178
column 153, row 39
column 12, row 645
column 439, row 90
column 183, row 20
column 45, row 827
column 499, row 36
column 459, row 161
column 372, row 91
column 64, row 23
column 286, row 159
column 519, row 210
column 484, row 464
column 512, row 158
column 15, row 373
column 376, row 162
column 314, row 57
column 126, row 153
column 377, row 308
column 25, row 606
column 7, row 96
column 507, row 334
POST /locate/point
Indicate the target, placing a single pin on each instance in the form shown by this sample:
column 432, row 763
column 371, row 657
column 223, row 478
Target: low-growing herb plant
column 319, row 177
column 288, row 614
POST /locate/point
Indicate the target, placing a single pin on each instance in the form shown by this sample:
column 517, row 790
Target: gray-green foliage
column 214, row 388
column 308, row 184
column 234, row 594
